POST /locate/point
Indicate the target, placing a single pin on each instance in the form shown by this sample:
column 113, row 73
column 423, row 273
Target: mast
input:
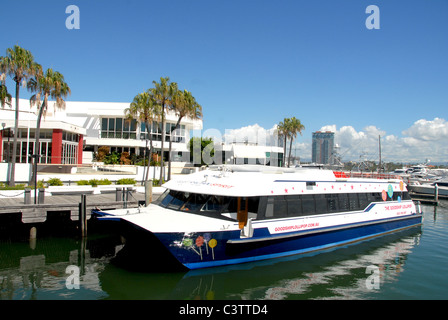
column 379, row 145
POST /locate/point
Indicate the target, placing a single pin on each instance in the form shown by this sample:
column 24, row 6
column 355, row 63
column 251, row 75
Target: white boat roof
column 258, row 180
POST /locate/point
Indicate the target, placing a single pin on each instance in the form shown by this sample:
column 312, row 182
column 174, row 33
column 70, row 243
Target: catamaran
column 235, row 214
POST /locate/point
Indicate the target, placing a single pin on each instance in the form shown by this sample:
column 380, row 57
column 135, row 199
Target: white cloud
column 423, row 140
column 253, row 134
column 425, row 130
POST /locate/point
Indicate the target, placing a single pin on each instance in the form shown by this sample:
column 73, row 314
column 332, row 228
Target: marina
column 292, row 154
column 39, row 272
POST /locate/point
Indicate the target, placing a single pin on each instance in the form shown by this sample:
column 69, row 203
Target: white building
column 83, row 127
column 245, row 153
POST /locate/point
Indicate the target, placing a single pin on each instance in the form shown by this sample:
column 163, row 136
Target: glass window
column 294, row 206
column 343, row 202
column 270, row 208
column 119, row 124
column 308, row 204
column 363, row 201
column 321, row 203
column 332, row 202
column 104, row 124
column 353, row 201
column 111, row 124
column 280, row 207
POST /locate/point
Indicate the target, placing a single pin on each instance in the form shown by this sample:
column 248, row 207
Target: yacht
column 235, row 214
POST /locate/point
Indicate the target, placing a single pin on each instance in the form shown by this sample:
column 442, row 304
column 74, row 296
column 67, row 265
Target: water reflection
column 38, row 270
column 40, row 273
column 336, row 274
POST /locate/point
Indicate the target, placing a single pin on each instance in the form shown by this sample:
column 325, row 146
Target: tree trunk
column 290, row 148
column 161, row 146
column 169, row 149
column 12, row 173
column 148, row 129
column 37, row 147
column 284, row 153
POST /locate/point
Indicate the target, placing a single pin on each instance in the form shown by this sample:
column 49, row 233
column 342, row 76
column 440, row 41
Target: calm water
column 410, row 265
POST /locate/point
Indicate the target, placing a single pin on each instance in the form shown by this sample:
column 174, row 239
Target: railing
column 370, row 175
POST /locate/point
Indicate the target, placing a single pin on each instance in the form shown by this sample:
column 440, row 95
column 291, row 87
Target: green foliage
column 112, row 158
column 94, row 182
column 126, row 181
column 54, row 182
column 195, row 153
column 155, row 182
column 16, row 187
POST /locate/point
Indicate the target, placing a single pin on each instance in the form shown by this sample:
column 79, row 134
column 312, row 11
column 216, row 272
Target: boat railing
column 369, row 175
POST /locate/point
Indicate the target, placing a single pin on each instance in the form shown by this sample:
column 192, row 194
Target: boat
column 430, row 188
column 234, row 214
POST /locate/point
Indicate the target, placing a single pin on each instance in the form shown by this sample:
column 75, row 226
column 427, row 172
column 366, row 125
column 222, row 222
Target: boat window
column 353, row 201
column 308, row 204
column 363, row 201
column 321, row 203
column 209, row 205
column 177, row 199
column 270, row 208
column 294, row 206
column 216, row 203
column 332, row 200
column 194, row 202
column 280, row 207
column 343, row 202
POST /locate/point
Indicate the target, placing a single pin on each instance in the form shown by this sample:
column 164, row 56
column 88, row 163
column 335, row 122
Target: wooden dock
column 36, row 213
column 427, row 198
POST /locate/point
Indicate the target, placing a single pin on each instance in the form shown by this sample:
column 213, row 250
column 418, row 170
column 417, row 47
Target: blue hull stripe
column 386, row 227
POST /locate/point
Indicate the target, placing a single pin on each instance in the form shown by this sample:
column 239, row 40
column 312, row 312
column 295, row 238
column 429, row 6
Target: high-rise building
column 323, row 145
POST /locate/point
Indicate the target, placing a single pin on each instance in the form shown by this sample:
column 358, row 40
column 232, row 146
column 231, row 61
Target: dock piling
column 83, row 215
column 27, row 194
column 148, row 192
column 118, row 194
column 436, row 193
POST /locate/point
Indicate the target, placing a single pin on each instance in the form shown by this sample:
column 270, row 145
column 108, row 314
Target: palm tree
column 184, row 105
column 283, row 131
column 5, row 96
column 50, row 84
column 162, row 94
column 19, row 64
column 295, row 126
column 144, row 109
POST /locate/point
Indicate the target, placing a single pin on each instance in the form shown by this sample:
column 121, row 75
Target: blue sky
column 253, row 62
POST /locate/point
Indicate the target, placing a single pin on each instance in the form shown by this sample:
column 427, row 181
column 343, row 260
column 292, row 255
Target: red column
column 80, row 147
column 56, row 148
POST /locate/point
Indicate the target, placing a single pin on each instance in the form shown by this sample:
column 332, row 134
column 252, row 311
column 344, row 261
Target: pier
column 65, row 208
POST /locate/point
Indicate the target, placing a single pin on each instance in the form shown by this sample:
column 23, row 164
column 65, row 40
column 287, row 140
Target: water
column 407, row 265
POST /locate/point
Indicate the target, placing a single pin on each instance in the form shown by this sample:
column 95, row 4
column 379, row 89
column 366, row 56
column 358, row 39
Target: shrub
column 102, row 182
column 93, row 182
column 126, row 181
column 16, row 187
column 54, row 182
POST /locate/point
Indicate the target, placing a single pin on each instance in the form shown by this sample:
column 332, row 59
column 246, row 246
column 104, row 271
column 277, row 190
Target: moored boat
column 430, row 188
column 235, row 214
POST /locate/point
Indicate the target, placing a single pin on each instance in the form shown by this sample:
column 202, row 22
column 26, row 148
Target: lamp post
column 35, row 157
column 3, row 131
